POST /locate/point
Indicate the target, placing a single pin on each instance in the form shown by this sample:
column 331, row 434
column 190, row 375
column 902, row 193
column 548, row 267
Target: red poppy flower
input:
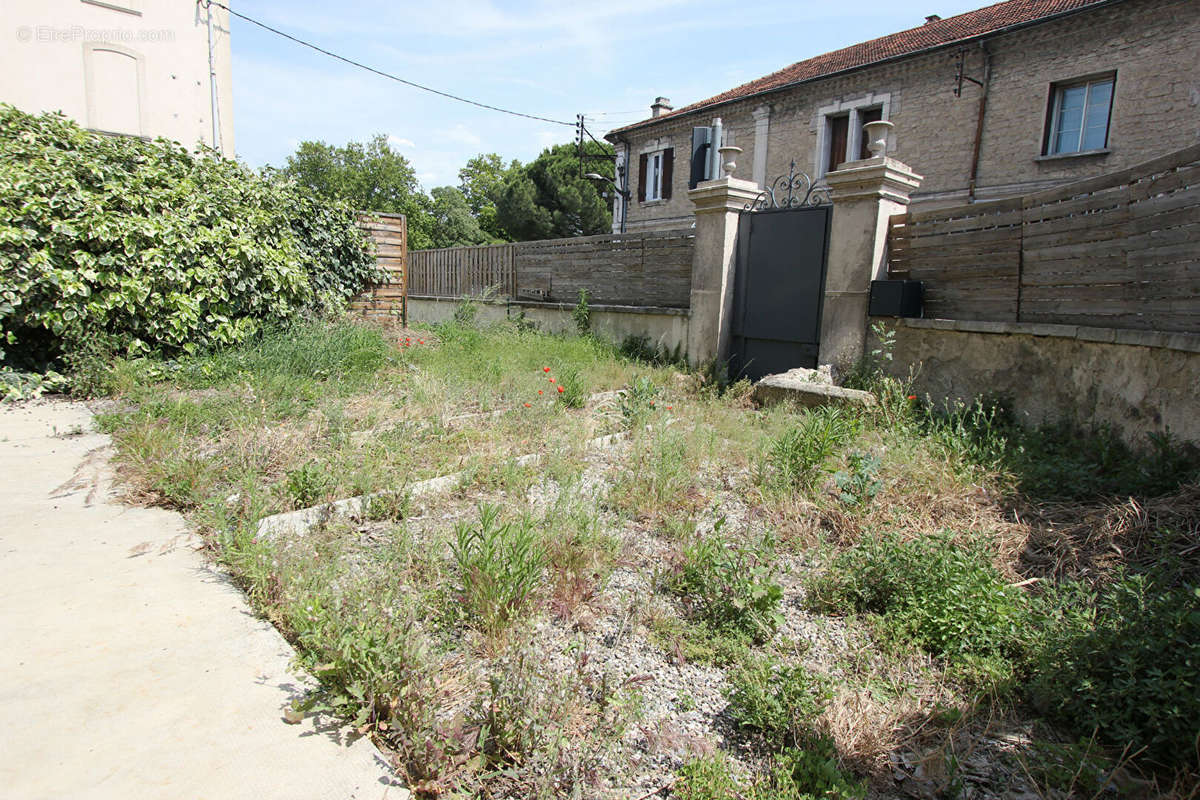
column 545, row 369
column 539, row 391
column 670, row 407
column 561, row 390
column 912, row 397
column 528, row 406
column 552, row 380
column 651, row 402
column 420, row 341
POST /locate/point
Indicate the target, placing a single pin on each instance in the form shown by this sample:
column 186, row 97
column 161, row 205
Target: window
column 655, row 173
column 840, row 136
column 865, row 116
column 1079, row 114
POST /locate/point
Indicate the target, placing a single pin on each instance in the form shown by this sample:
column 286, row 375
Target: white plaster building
column 135, row 67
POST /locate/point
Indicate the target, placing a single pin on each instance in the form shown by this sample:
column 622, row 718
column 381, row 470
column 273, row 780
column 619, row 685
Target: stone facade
column 1151, row 45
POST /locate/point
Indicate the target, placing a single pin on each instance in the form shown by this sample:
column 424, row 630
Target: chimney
column 661, row 106
column 932, row 18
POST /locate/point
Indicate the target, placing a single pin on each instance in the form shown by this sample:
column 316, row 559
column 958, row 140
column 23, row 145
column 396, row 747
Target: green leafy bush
column 944, row 594
column 135, row 247
column 1128, row 668
column 728, row 586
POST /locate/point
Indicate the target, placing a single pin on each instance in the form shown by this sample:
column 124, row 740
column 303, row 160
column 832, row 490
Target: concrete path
column 129, row 667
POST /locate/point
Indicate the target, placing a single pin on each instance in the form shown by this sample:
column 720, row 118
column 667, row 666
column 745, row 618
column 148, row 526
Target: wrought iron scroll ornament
column 794, row 190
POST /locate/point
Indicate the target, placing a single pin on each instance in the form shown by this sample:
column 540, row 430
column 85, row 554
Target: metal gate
column 783, row 241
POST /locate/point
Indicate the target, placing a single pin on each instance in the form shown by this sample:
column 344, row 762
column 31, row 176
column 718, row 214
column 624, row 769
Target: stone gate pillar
column 718, row 204
column 865, row 194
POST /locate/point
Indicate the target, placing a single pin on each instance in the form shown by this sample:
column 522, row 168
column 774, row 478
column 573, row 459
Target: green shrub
column 781, row 703
column 1128, row 669
column 729, row 587
column 796, row 458
column 944, row 594
column 145, row 247
column 500, row 567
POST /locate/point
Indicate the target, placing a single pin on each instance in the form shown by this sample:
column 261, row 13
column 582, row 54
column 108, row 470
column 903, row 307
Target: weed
column 308, row 485
column 1126, row 668
column 729, row 587
column 797, row 457
column 942, row 593
column 500, row 567
column 389, row 506
column 858, row 484
column 637, row 400
column 811, row 773
column 465, row 312
column 582, row 314
column 573, row 393
column 778, row 702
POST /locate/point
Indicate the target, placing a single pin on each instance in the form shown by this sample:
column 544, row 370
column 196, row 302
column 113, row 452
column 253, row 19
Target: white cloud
column 462, row 134
column 400, row 142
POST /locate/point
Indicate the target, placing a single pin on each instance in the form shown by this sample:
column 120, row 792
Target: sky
column 551, row 58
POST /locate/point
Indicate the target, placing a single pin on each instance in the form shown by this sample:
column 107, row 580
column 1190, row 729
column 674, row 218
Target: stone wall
column 663, row 328
column 1140, row 382
column 1151, row 44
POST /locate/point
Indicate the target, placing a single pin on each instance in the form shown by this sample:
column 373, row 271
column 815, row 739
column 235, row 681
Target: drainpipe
column 625, row 187
column 987, row 79
column 212, row 81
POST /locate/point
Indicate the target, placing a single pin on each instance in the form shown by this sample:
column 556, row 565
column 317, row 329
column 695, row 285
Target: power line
column 379, row 72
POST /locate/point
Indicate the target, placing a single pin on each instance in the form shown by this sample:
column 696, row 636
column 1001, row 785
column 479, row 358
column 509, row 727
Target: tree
column 482, row 183
column 453, row 223
column 369, row 177
column 549, row 199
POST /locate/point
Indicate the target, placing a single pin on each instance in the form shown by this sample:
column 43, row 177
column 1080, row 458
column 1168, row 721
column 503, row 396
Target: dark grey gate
column 780, row 281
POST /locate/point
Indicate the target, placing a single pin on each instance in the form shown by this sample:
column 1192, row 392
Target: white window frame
column 654, row 173
column 855, row 108
column 1056, row 97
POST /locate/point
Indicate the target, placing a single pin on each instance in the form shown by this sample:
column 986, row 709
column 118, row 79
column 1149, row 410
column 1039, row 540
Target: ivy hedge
column 142, row 247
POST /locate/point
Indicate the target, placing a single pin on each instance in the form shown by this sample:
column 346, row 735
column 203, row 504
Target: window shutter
column 642, row 178
column 668, row 172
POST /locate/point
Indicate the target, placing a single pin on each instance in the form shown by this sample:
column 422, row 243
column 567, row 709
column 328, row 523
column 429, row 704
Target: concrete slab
column 129, row 666
column 796, row 386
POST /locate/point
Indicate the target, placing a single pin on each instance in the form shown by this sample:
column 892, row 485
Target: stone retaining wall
column 1140, row 382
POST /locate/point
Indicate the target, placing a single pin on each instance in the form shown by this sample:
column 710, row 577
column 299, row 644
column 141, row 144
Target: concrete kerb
column 300, row 522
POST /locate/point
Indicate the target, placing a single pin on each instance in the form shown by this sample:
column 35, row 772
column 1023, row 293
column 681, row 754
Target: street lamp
column 624, row 193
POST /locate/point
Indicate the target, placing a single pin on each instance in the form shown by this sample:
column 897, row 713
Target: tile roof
column 932, row 34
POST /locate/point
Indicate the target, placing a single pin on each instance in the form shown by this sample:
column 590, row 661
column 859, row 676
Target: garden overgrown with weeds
column 639, row 585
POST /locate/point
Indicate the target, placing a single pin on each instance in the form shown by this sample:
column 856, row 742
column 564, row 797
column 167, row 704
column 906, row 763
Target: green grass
column 899, row 519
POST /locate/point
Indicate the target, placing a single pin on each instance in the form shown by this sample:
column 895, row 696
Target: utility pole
column 212, row 82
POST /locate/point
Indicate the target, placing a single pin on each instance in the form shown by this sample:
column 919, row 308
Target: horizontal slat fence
column 636, row 269
column 1116, row 251
column 463, row 271
column 389, row 232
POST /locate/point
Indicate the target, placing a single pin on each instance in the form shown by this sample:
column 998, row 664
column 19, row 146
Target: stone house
column 996, row 102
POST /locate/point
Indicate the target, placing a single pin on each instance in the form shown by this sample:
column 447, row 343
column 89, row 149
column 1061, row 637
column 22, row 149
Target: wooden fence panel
column 1116, row 251
column 389, row 232
column 639, row 269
